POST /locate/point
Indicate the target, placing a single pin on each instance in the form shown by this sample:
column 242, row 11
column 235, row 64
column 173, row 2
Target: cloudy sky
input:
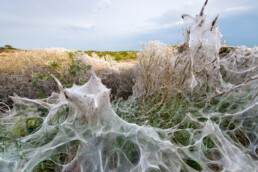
column 118, row 24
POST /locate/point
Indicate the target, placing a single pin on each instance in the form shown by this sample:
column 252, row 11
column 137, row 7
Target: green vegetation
column 195, row 165
column 7, row 48
column 208, row 142
column 183, row 137
column 43, row 111
column 46, row 166
column 76, row 69
column 24, row 127
column 120, row 55
column 132, row 151
column 175, row 114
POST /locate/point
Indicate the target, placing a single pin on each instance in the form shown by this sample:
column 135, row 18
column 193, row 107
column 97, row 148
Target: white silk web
column 79, row 129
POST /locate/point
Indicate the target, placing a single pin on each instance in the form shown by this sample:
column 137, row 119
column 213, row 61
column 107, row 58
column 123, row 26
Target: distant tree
column 1, row 49
column 8, row 47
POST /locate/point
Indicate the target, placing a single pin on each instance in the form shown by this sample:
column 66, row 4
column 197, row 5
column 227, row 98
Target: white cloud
column 80, row 27
column 151, row 26
column 104, row 3
column 240, row 8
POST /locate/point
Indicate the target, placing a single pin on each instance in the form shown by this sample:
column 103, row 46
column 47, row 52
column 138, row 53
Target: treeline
column 7, row 48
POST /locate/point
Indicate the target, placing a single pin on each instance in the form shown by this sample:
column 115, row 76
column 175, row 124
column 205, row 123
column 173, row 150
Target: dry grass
column 165, row 72
column 106, row 63
column 17, row 62
column 18, row 69
column 118, row 76
column 121, row 83
column 117, row 56
column 162, row 73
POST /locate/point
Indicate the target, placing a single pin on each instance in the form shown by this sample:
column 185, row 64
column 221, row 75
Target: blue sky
column 118, row 24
